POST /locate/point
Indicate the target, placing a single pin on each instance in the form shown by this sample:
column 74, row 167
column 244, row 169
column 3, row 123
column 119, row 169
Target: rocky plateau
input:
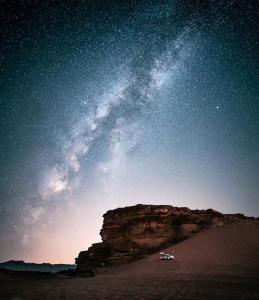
column 133, row 232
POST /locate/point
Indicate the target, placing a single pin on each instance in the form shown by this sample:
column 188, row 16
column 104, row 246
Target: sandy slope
column 230, row 249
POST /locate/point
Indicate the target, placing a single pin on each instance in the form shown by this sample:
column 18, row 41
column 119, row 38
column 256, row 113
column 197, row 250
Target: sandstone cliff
column 132, row 232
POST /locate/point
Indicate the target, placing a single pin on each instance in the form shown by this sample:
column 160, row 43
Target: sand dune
column 229, row 249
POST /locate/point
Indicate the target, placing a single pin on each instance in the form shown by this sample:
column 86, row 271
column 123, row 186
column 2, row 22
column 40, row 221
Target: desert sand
column 221, row 263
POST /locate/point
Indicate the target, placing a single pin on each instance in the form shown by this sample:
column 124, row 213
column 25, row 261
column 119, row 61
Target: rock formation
column 132, row 232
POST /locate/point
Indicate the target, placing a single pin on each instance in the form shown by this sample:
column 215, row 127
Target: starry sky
column 110, row 104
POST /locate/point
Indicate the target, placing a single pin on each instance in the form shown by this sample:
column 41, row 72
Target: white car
column 166, row 256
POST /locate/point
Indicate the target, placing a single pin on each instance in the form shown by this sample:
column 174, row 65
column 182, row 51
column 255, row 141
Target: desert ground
column 221, row 263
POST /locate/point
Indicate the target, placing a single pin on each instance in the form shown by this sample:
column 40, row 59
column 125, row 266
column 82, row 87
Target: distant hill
column 44, row 267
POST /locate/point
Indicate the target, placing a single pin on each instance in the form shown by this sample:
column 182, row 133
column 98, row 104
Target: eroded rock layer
column 132, row 232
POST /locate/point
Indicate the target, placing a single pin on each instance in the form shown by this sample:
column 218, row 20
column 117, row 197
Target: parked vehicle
column 166, row 256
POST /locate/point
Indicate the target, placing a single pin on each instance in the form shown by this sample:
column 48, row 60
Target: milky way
column 106, row 105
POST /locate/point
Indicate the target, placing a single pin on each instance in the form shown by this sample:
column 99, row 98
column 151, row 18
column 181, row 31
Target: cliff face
column 132, row 232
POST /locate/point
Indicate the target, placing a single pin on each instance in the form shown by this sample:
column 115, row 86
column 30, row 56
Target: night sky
column 111, row 104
